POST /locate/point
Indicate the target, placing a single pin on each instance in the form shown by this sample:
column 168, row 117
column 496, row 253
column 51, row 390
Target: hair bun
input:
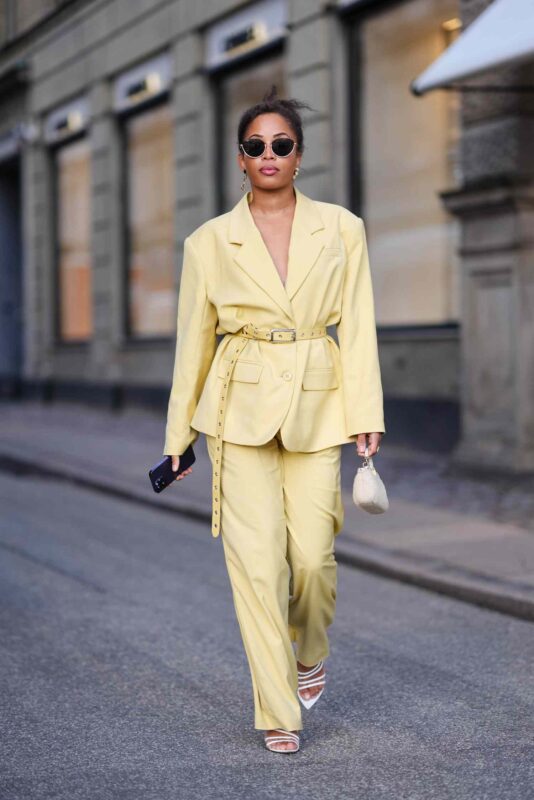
column 271, row 94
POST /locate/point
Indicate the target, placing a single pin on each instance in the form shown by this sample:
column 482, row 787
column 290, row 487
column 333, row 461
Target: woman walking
column 276, row 400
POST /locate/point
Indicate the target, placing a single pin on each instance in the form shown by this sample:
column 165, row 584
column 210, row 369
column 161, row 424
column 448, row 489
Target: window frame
column 53, row 162
column 122, row 119
column 269, row 52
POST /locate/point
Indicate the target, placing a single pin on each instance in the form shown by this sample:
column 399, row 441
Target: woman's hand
column 175, row 466
column 372, row 440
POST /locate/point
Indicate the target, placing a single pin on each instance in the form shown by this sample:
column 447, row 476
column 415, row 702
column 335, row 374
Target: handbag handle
column 369, row 459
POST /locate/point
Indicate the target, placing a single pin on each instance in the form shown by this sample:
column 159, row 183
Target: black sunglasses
column 254, row 148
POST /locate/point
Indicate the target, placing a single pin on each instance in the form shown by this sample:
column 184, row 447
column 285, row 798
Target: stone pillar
column 495, row 206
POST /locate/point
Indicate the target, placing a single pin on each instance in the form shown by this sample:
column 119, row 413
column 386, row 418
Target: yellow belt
column 249, row 331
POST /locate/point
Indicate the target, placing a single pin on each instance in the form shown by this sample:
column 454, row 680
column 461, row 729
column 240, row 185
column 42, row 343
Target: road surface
column 123, row 674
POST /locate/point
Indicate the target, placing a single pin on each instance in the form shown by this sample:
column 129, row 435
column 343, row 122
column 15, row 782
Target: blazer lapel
column 307, row 242
column 305, row 245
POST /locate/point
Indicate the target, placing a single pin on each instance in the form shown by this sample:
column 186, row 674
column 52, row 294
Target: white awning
column 502, row 34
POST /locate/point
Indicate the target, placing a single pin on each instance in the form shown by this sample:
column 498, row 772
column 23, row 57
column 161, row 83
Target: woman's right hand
column 175, row 460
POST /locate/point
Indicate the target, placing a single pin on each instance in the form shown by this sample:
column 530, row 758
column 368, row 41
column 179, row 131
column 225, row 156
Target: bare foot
column 311, row 691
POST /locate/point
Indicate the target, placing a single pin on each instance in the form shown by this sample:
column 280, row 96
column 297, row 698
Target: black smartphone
column 162, row 475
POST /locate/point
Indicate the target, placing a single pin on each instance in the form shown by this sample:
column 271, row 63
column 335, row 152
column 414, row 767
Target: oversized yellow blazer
column 319, row 394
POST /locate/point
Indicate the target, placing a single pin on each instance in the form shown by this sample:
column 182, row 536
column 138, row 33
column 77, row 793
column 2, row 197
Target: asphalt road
column 123, row 675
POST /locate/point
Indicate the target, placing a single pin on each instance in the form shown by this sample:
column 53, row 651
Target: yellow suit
column 283, row 411
column 317, row 393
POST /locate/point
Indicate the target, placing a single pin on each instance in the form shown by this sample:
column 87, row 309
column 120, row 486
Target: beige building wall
column 81, row 48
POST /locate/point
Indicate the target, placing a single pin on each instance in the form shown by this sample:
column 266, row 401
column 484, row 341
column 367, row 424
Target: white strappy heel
column 281, row 735
column 306, row 680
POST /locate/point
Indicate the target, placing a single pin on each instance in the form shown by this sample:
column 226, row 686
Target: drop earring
column 295, row 172
column 244, row 180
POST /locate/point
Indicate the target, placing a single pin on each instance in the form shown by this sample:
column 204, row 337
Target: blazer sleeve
column 195, row 348
column 356, row 331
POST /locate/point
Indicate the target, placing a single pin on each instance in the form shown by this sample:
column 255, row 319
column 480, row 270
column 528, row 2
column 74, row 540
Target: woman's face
column 269, row 127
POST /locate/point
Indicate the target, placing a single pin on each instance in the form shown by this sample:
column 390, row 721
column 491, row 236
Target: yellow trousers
column 280, row 512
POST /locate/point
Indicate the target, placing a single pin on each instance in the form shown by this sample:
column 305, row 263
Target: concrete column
column 310, row 79
column 495, row 206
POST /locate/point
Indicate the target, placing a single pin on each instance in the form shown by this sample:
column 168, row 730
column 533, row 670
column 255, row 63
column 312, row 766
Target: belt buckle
column 273, row 330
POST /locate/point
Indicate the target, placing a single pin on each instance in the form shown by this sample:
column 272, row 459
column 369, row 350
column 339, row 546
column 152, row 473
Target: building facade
column 118, row 137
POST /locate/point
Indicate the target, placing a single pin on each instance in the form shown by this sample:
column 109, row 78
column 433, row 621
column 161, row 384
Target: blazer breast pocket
column 331, row 254
column 320, row 378
column 332, row 251
column 245, row 371
column 331, row 257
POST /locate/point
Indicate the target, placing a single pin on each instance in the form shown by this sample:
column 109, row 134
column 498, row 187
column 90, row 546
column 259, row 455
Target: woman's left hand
column 371, row 440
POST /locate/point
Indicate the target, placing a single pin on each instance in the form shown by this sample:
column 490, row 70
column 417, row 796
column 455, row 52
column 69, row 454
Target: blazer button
column 287, row 375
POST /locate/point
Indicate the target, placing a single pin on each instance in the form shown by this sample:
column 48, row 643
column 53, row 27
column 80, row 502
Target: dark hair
column 272, row 104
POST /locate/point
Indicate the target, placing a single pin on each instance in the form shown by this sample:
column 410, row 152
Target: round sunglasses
column 254, row 148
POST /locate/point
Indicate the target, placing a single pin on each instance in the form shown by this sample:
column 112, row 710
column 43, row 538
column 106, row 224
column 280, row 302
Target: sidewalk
column 472, row 538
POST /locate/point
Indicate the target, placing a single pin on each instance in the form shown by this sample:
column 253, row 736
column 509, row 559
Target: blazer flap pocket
column 320, row 378
column 246, row 371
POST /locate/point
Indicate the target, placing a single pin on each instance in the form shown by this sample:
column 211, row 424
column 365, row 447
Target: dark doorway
column 11, row 344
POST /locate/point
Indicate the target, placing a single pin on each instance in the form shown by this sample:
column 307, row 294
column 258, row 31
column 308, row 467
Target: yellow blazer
column 319, row 394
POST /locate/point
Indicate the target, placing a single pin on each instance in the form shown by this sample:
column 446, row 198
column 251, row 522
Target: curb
column 436, row 576
column 439, row 577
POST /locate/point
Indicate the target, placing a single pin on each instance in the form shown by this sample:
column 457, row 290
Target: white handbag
column 368, row 491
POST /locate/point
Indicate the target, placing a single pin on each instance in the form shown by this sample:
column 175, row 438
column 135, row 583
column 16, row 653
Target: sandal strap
column 281, row 740
column 283, row 732
column 307, row 684
column 283, row 736
column 317, row 668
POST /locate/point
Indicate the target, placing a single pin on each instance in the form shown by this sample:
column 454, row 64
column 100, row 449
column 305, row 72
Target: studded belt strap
column 249, row 331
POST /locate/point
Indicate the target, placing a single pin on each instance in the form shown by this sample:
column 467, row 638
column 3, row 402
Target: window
column 73, row 237
column 150, row 176
column 239, row 90
column 408, row 156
